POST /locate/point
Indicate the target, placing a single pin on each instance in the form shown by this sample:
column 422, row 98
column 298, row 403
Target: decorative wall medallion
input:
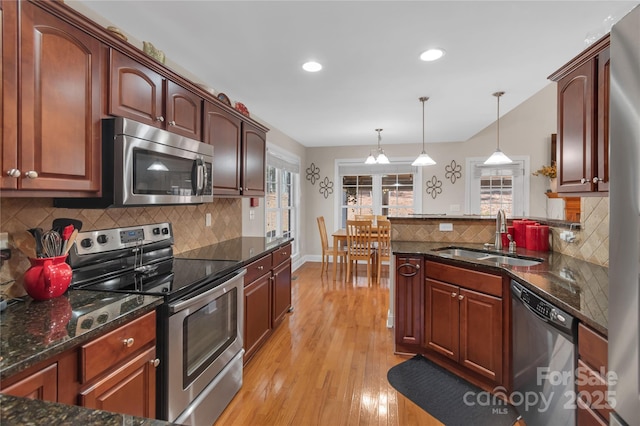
column 434, row 187
column 326, row 187
column 453, row 171
column 313, row 173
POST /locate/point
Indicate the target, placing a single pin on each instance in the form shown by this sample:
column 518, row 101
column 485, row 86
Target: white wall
column 526, row 130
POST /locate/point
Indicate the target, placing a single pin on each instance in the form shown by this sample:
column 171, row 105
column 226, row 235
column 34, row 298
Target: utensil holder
column 48, row 277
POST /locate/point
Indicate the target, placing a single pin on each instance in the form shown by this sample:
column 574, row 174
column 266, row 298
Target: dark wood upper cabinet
column 583, row 121
column 142, row 94
column 58, row 93
column 136, row 91
column 254, row 148
column 224, row 131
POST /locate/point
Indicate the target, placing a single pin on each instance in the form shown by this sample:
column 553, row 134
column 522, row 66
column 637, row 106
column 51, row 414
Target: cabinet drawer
column 593, row 389
column 280, row 255
column 257, row 269
column 474, row 280
column 592, row 348
column 107, row 351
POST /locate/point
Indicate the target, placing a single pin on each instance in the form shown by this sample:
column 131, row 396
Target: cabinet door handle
column 583, row 180
column 461, row 297
column 128, row 342
column 160, row 118
column 31, row 174
column 172, row 123
column 155, row 362
column 14, row 173
column 596, row 179
column 454, row 294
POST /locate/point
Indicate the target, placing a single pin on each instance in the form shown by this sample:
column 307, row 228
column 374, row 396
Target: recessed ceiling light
column 311, row 66
column 432, row 55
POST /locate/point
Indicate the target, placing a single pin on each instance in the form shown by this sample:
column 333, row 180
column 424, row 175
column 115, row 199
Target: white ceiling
column 372, row 77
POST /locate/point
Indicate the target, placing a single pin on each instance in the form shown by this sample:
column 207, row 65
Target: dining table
column 340, row 238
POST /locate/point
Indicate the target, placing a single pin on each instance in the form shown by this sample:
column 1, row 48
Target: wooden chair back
column 384, row 239
column 368, row 217
column 322, row 227
column 380, row 217
column 359, row 239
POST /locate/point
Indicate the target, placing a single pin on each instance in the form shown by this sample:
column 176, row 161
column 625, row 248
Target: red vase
column 47, row 278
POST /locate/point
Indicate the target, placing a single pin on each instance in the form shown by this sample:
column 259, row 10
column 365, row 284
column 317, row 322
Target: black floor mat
column 445, row 396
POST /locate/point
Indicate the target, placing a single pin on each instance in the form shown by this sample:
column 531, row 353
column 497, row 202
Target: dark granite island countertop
column 32, row 331
column 578, row 287
column 22, row 411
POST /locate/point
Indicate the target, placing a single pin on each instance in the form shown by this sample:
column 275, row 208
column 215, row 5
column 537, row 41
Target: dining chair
column 359, row 245
column 327, row 250
column 381, row 217
column 383, row 250
column 368, row 217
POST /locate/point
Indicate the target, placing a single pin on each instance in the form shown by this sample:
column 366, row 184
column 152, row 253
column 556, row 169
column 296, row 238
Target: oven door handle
column 183, row 304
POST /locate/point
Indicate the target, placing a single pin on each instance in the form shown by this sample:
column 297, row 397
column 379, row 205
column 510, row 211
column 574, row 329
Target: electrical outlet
column 446, row 227
column 252, row 214
column 207, row 219
column 4, row 240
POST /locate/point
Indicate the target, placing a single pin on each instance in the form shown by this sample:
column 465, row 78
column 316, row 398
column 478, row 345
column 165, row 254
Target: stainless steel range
column 199, row 326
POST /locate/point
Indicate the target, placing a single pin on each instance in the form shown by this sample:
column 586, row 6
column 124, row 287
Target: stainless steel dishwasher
column 544, row 360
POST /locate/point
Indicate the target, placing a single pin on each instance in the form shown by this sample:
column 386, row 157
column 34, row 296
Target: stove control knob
column 86, row 243
column 165, row 231
column 102, row 239
column 156, row 231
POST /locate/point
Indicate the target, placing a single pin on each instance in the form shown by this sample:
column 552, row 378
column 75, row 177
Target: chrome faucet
column 501, row 228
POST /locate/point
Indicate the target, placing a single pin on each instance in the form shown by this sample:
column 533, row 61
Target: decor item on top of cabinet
column 453, row 171
column 313, row 173
column 152, row 51
column 117, row 32
column 552, row 173
column 434, row 187
column 326, row 187
column 239, row 106
column 208, row 89
column 224, row 98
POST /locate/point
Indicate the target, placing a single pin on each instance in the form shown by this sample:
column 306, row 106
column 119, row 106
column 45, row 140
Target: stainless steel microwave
column 143, row 165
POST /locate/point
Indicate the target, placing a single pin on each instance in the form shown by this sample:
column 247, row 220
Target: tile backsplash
column 591, row 244
column 190, row 232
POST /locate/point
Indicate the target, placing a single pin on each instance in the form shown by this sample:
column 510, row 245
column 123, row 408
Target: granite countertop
column 22, row 411
column 242, row 249
column 32, row 331
column 575, row 286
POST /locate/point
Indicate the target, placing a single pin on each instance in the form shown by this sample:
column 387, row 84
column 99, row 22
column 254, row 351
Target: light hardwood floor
column 327, row 363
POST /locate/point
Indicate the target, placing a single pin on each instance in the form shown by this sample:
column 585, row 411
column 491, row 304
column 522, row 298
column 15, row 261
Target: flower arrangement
column 549, row 171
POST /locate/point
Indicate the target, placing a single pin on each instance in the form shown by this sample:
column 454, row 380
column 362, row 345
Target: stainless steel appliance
column 143, row 165
column 199, row 325
column 544, row 360
column 624, row 219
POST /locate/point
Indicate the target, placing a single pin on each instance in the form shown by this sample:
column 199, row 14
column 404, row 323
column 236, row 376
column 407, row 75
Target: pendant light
column 423, row 159
column 379, row 158
column 498, row 157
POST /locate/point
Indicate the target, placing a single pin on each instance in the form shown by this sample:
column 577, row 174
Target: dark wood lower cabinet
column 409, row 306
column 42, row 385
column 464, row 320
column 267, row 298
column 257, row 314
column 281, row 291
column 128, row 390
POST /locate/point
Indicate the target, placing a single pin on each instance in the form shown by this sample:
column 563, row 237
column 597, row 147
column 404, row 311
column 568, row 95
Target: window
column 377, row 189
column 491, row 188
column 281, row 215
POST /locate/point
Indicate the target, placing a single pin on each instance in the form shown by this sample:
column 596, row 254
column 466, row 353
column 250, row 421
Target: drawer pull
column 260, row 268
column 128, row 342
column 461, row 297
column 155, row 362
column 454, row 294
column 160, row 119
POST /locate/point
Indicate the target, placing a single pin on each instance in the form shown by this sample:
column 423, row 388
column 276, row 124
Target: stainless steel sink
column 489, row 256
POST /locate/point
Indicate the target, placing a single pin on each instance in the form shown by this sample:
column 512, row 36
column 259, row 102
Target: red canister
column 543, row 238
column 520, row 231
column 532, row 237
